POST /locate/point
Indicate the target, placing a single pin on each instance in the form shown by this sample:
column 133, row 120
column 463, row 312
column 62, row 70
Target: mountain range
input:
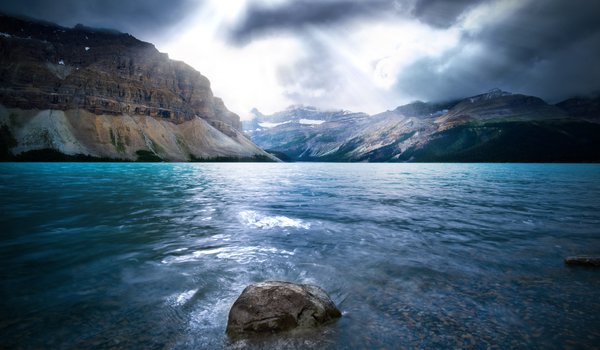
column 86, row 94
column 94, row 94
column 496, row 126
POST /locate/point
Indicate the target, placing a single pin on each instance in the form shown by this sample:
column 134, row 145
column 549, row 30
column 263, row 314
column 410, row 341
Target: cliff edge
column 102, row 93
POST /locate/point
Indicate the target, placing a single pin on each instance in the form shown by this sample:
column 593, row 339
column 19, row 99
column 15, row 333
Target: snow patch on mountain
column 311, row 121
column 268, row 125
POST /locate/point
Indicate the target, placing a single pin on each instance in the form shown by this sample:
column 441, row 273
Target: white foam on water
column 207, row 321
column 194, row 256
column 252, row 218
column 241, row 255
column 246, row 255
column 181, row 298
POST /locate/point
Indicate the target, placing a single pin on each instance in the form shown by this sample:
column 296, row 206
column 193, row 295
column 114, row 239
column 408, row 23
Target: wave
column 180, row 299
column 243, row 255
column 252, row 218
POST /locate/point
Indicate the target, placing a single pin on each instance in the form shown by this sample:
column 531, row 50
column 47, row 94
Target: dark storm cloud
column 548, row 49
column 295, row 15
column 261, row 19
column 441, row 13
column 133, row 16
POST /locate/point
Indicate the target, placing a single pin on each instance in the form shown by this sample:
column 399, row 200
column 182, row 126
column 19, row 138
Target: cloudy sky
column 360, row 55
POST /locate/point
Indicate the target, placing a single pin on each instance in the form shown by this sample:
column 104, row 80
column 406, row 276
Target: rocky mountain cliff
column 493, row 127
column 98, row 93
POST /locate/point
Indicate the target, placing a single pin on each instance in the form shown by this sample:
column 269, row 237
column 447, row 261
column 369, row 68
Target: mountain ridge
column 496, row 126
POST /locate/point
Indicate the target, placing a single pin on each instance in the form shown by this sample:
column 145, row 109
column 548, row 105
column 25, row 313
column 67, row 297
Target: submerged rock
column 583, row 260
column 273, row 306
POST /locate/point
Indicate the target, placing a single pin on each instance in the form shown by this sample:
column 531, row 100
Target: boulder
column 583, row 260
column 274, row 306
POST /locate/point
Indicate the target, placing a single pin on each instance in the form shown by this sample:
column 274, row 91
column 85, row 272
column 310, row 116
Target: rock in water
column 273, row 306
column 583, row 260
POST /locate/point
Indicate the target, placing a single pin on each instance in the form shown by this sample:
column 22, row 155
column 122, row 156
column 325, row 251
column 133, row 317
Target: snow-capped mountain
column 496, row 126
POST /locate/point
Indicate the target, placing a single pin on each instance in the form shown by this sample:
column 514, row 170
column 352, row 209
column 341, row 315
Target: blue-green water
column 415, row 255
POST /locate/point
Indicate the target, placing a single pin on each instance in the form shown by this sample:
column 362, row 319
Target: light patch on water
column 208, row 320
column 241, row 255
column 529, row 222
column 194, row 256
column 247, row 255
column 252, row 218
column 181, row 298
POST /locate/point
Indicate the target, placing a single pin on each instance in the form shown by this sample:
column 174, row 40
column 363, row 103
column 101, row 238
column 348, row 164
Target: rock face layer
column 125, row 137
column 274, row 306
column 103, row 85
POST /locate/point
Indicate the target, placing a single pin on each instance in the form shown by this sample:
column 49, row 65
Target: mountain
column 84, row 93
column 293, row 134
column 582, row 107
column 496, row 126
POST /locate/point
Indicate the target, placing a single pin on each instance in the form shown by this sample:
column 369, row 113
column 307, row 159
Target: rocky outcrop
column 273, row 306
column 583, row 260
column 108, row 79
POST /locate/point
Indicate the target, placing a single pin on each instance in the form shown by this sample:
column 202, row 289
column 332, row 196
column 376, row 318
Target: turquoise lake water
column 435, row 256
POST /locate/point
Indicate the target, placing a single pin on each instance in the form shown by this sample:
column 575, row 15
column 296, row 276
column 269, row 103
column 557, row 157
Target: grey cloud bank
column 544, row 48
column 142, row 18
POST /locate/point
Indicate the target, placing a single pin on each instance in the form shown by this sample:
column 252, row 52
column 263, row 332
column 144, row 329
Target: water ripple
column 429, row 256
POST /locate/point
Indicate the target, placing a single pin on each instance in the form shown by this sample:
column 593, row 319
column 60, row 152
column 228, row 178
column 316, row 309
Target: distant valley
column 496, row 126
